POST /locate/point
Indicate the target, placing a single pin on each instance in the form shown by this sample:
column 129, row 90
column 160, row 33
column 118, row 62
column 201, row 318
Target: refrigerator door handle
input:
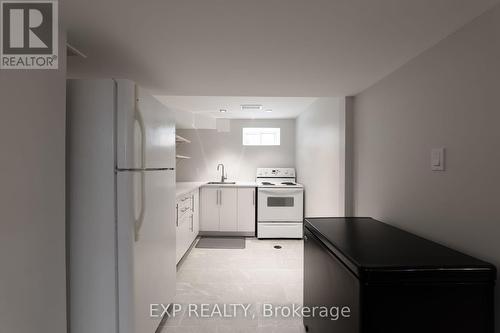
column 140, row 121
column 140, row 219
column 142, row 156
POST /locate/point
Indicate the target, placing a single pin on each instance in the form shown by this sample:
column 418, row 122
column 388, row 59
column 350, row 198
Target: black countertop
column 373, row 250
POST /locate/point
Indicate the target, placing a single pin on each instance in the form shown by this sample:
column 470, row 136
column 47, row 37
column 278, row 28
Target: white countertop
column 182, row 188
column 237, row 184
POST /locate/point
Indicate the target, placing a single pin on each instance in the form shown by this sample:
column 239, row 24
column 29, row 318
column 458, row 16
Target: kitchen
column 223, row 166
column 234, row 234
column 243, row 171
column 230, row 240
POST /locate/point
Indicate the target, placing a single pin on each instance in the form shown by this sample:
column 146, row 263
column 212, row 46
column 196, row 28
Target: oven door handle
column 280, row 192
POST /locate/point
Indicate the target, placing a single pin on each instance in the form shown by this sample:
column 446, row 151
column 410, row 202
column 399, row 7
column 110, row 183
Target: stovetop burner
column 277, row 179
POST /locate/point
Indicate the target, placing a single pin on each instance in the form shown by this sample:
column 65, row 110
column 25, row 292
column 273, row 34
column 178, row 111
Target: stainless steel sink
column 221, row 183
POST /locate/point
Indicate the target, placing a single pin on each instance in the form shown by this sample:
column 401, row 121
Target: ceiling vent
column 251, row 107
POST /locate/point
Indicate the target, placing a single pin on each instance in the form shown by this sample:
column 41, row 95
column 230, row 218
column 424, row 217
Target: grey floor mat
column 221, row 243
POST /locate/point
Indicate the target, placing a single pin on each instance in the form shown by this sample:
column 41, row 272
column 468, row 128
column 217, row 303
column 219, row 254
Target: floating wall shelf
column 180, row 139
column 182, row 157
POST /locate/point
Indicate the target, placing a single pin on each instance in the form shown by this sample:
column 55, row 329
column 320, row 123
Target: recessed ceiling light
column 251, row 107
column 223, row 110
column 269, row 110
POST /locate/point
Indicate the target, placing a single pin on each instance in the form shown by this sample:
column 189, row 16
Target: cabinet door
column 193, row 230
column 228, row 202
column 196, row 212
column 246, row 209
column 209, row 203
column 183, row 236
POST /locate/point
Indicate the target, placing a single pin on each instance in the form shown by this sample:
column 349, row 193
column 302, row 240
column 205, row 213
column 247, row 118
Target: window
column 261, row 136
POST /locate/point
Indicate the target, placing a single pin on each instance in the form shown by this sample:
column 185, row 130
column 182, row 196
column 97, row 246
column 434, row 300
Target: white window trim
column 260, row 131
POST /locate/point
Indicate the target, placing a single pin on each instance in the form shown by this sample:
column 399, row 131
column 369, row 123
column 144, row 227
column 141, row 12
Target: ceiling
column 257, row 47
column 280, row 107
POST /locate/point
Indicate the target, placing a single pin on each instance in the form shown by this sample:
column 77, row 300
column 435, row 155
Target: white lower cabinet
column 227, row 209
column 187, row 222
column 209, row 202
column 246, row 209
column 196, row 212
column 228, row 204
column 182, row 237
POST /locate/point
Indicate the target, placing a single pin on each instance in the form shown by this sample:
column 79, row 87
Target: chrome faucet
column 223, row 177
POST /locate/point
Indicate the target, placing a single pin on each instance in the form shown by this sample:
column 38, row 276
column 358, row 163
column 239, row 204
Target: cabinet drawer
column 184, row 206
column 185, row 202
column 185, row 217
column 184, row 211
column 182, row 216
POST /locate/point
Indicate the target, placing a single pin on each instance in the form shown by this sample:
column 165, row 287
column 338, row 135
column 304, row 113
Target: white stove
column 280, row 209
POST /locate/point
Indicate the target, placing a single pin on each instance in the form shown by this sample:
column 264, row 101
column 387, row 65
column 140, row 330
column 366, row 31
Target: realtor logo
column 29, row 35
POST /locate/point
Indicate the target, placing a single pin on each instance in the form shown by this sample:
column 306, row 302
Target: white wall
column 448, row 96
column 190, row 120
column 32, row 200
column 210, row 147
column 320, row 142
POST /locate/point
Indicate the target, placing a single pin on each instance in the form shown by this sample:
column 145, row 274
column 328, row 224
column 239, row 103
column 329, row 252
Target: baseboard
column 193, row 243
column 227, row 233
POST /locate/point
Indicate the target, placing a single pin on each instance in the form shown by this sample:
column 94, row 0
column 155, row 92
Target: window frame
column 260, row 131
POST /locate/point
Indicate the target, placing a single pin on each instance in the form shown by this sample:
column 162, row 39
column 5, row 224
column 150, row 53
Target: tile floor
column 254, row 276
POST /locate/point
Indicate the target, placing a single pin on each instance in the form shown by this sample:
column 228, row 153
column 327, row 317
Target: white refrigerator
column 121, row 206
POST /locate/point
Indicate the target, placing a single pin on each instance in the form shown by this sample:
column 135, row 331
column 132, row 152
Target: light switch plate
column 437, row 159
